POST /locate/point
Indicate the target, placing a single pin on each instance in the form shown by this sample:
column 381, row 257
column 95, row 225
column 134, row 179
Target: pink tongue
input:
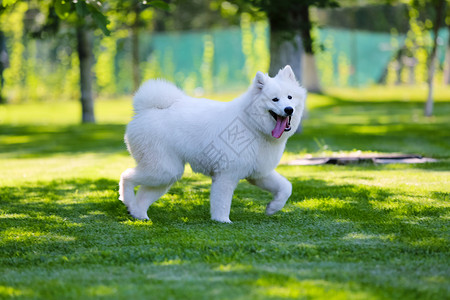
column 280, row 127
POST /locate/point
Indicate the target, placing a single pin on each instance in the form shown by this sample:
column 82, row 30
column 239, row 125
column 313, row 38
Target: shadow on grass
column 41, row 141
column 327, row 234
column 66, row 215
column 370, row 209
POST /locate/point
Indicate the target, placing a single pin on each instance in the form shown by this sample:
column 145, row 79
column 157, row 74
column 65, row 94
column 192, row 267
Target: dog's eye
column 275, row 99
column 289, row 97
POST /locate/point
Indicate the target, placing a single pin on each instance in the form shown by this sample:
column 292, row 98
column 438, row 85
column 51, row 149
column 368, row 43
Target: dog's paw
column 273, row 208
column 140, row 216
column 222, row 220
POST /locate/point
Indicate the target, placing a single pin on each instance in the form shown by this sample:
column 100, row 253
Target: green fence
column 208, row 60
column 360, row 58
column 226, row 59
column 216, row 60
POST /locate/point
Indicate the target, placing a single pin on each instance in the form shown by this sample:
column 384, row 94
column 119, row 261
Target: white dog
column 228, row 141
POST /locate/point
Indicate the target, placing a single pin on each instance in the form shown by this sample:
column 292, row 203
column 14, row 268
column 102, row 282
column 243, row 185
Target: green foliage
column 152, row 68
column 207, row 16
column 82, row 9
column 63, row 8
column 287, row 16
column 417, row 41
column 38, row 69
column 105, row 65
column 206, row 69
column 13, row 27
column 375, row 16
column 159, row 4
column 324, row 60
column 32, row 81
column 254, row 45
column 5, row 3
column 344, row 70
column 47, row 69
column 392, row 73
column 347, row 232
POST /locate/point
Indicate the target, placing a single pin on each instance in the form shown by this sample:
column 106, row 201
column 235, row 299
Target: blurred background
column 68, row 50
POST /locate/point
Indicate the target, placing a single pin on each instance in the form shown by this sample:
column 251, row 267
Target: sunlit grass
column 347, row 232
column 415, row 93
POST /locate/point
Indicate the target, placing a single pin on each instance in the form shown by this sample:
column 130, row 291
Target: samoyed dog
column 228, row 141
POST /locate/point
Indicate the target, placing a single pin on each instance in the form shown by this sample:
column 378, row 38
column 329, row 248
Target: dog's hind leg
column 145, row 197
column 128, row 181
column 276, row 184
column 153, row 184
column 127, row 185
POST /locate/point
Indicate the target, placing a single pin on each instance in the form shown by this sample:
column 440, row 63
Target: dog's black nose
column 288, row 110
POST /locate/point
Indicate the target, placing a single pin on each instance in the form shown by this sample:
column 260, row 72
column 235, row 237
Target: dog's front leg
column 280, row 188
column 222, row 190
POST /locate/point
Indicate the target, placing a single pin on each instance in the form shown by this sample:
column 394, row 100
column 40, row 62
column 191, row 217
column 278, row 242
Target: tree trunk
column 447, row 62
column 430, row 102
column 4, row 63
column 291, row 44
column 135, row 49
column 310, row 76
column 309, row 73
column 85, row 56
column 400, row 67
column 439, row 8
column 285, row 52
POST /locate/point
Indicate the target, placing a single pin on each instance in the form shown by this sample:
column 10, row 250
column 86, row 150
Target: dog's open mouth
column 283, row 124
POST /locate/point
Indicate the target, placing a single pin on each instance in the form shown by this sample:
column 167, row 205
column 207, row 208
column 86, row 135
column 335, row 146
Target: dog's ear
column 287, row 73
column 260, row 80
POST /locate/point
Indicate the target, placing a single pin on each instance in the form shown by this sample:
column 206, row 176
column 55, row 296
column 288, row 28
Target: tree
column 439, row 11
column 439, row 6
column 290, row 35
column 134, row 8
column 83, row 15
column 3, row 63
column 85, row 55
column 447, row 60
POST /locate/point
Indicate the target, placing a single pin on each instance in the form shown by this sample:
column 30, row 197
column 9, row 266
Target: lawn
column 347, row 232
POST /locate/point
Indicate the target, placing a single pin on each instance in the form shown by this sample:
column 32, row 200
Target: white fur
column 228, row 141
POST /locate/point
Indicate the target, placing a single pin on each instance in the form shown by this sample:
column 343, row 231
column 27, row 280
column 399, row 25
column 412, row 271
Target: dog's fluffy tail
column 156, row 94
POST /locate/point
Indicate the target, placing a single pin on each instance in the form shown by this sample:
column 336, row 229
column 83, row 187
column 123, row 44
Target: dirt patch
column 363, row 159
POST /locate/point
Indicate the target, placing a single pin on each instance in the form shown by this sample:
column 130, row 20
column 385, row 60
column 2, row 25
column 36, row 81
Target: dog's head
column 279, row 103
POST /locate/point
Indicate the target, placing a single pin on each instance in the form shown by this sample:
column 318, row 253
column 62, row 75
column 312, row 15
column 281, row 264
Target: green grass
column 348, row 232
